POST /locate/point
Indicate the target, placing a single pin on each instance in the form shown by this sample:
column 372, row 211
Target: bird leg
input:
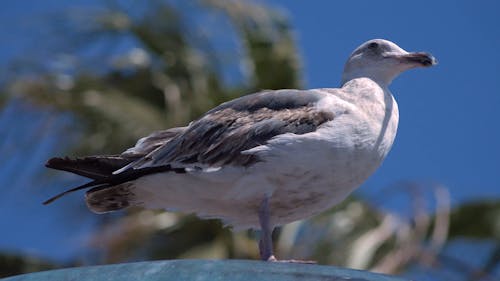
column 266, row 239
column 266, row 236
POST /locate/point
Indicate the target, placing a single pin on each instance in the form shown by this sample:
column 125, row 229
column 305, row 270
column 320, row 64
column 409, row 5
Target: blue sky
column 448, row 130
column 449, row 126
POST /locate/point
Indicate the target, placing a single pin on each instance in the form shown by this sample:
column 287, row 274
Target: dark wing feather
column 219, row 136
column 101, row 168
column 98, row 167
column 94, row 167
column 117, row 179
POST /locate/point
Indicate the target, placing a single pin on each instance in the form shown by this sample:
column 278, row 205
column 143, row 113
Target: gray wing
column 219, row 137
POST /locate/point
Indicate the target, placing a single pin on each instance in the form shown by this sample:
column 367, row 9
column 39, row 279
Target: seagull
column 262, row 160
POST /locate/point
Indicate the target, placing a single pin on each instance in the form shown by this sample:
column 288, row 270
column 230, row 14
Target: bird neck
column 382, row 75
column 382, row 79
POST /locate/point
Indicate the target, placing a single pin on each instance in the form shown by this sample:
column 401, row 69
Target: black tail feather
column 113, row 180
column 80, row 187
column 94, row 167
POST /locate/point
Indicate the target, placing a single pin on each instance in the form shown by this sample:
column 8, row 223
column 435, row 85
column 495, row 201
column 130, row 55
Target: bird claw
column 274, row 259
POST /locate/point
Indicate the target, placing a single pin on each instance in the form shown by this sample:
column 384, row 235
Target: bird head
column 382, row 60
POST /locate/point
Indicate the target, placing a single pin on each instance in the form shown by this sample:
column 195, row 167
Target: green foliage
column 269, row 44
column 476, row 220
column 169, row 75
column 12, row 265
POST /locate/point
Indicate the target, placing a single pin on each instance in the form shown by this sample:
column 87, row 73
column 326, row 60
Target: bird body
column 301, row 174
column 264, row 159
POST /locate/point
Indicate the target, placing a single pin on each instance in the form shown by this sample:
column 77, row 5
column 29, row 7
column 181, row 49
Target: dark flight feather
column 93, row 167
column 116, row 179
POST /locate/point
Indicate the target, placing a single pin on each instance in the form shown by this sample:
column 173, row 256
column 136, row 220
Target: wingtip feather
column 55, row 162
column 83, row 186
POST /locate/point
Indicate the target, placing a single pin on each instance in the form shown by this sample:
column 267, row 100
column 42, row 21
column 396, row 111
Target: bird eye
column 373, row 45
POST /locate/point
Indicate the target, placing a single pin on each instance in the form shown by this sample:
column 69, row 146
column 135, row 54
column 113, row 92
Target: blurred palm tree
column 149, row 70
column 119, row 73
